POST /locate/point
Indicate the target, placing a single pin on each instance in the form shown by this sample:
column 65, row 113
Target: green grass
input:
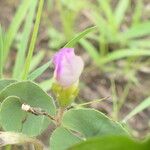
column 33, row 40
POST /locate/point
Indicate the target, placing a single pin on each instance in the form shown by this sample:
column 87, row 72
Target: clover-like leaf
column 31, row 94
column 5, row 82
column 82, row 124
column 11, row 115
column 90, row 122
column 111, row 143
column 62, row 139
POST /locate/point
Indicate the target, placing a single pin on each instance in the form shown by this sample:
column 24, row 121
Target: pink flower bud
column 68, row 67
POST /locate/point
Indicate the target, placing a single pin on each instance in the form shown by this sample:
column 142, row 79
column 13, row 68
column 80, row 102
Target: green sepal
column 65, row 95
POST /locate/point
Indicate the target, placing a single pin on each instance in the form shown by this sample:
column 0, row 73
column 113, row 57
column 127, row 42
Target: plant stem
column 114, row 98
column 91, row 102
column 59, row 116
column 33, row 40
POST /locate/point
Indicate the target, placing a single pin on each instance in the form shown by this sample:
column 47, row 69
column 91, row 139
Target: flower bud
column 68, row 68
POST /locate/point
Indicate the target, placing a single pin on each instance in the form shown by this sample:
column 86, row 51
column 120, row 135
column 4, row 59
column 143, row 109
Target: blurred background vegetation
column 116, row 53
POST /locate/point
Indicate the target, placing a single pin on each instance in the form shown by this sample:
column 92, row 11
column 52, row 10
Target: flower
column 68, row 67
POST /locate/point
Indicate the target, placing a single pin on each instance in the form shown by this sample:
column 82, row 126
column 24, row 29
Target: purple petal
column 68, row 67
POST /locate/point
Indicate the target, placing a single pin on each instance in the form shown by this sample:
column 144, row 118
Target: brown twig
column 36, row 111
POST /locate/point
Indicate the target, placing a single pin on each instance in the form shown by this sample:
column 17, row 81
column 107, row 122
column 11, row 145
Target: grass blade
column 104, row 27
column 106, row 7
column 81, row 35
column 90, row 49
column 145, row 104
column 122, row 53
column 120, row 11
column 24, row 40
column 46, row 85
column 12, row 31
column 39, row 71
column 137, row 15
column 37, row 59
column 138, row 30
column 145, row 43
column 33, row 40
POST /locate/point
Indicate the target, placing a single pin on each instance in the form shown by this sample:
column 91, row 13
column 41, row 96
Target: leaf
column 81, row 124
column 39, row 71
column 90, row 122
column 111, row 143
column 47, row 84
column 143, row 105
column 120, row 11
column 31, row 94
column 106, row 7
column 33, row 40
column 23, row 43
column 6, row 82
column 76, row 39
column 11, row 115
column 90, row 49
column 137, row 14
column 141, row 43
column 62, row 139
column 122, row 53
column 138, row 30
column 102, row 24
column 10, row 138
column 15, row 24
column 36, row 60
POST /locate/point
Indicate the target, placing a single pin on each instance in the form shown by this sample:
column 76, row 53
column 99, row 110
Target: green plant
column 26, row 110
column 68, row 14
column 129, row 44
column 21, row 37
column 124, row 143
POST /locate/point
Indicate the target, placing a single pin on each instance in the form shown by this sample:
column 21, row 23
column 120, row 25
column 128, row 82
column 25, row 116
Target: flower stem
column 33, row 40
column 59, row 116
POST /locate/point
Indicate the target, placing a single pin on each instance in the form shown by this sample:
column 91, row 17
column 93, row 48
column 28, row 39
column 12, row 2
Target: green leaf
column 23, row 43
column 106, row 7
column 33, row 40
column 90, row 49
column 81, row 35
column 47, row 84
column 111, row 143
column 123, row 53
column 102, row 24
column 62, row 139
column 39, row 71
column 15, row 24
column 36, row 60
column 6, row 82
column 139, row 43
column 145, row 104
column 30, row 93
column 120, row 11
column 90, row 122
column 138, row 12
column 137, row 31
column 11, row 115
